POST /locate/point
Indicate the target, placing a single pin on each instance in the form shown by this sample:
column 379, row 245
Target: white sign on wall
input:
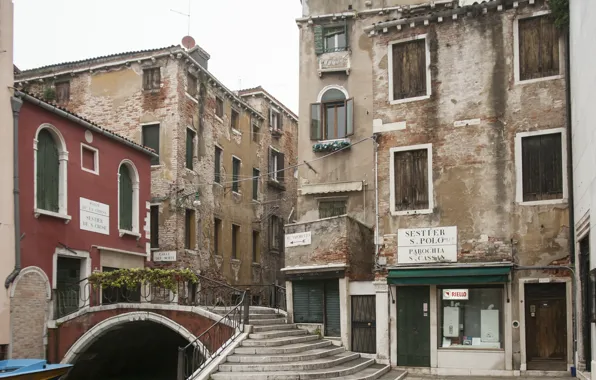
column 164, row 256
column 95, row 216
column 427, row 245
column 455, row 294
column 300, row 238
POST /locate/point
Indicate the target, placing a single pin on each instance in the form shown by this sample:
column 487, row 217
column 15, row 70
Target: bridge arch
column 93, row 334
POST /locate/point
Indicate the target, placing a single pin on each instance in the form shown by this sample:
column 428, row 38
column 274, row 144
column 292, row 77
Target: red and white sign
column 455, row 294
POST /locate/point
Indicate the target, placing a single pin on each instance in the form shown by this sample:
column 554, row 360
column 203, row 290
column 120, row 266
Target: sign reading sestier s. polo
column 427, row 245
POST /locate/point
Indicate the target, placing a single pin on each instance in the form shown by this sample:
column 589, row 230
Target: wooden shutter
column 542, row 167
column 318, row 38
column 62, row 92
column 531, row 168
column 48, row 172
column 349, row 117
column 280, row 166
column 190, row 136
column 308, row 301
column 156, row 79
column 151, row 140
column 255, row 184
column 549, row 47
column 420, row 178
column 155, row 226
column 126, row 199
column 411, row 180
column 529, row 48
column 409, row 69
column 315, row 122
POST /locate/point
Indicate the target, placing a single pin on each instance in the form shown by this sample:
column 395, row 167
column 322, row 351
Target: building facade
column 472, row 256
column 84, row 207
column 209, row 208
column 7, row 231
column 583, row 116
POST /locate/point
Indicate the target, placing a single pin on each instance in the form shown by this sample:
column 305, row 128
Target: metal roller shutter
column 332, row 318
column 308, row 301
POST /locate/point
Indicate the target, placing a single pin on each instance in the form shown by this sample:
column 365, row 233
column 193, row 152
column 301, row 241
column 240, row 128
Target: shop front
column 451, row 319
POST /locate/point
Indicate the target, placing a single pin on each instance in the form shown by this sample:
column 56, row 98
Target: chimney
column 200, row 55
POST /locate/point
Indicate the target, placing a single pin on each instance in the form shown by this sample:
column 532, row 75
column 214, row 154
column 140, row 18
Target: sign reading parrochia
column 427, row 245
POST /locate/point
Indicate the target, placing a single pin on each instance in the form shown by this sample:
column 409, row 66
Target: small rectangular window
column 411, row 180
column 538, row 48
column 235, row 174
column 217, row 164
column 255, row 183
column 216, row 236
column 191, row 85
column 154, row 226
column 275, row 232
column 190, row 230
column 3, row 351
column 335, row 39
column 62, row 92
column 89, row 159
column 330, row 208
column 190, row 148
column 151, row 78
column 151, row 140
column 409, row 69
column 275, row 120
column 255, row 131
column 234, row 121
column 235, row 237
column 256, row 244
column 542, row 167
column 276, row 165
column 219, row 107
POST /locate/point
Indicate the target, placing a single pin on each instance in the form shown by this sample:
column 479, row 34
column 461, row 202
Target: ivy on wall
column 560, row 13
column 163, row 278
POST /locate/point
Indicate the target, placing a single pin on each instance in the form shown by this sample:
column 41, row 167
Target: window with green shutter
column 255, row 183
column 48, row 172
column 190, row 147
column 126, row 198
column 235, row 174
column 151, row 140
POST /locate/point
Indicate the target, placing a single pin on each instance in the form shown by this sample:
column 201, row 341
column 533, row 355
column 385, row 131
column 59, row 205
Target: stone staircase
column 276, row 350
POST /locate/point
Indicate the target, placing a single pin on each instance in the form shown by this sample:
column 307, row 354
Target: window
column 275, row 120
column 330, row 208
column 151, row 140
column 155, row 226
column 235, row 237
column 190, row 148
column 151, row 78
column 255, row 247
column 276, row 165
column 219, row 107
column 235, row 174
column 191, row 84
column 411, row 179
column 538, row 48
column 126, row 198
column 542, row 167
column 218, row 153
column 89, row 159
column 275, row 232
column 3, row 351
column 331, row 38
column 409, row 75
column 255, row 131
column 62, row 92
column 51, row 160
column 216, row 235
column 471, row 317
column 256, row 173
column 190, row 229
column 234, row 120
column 333, row 117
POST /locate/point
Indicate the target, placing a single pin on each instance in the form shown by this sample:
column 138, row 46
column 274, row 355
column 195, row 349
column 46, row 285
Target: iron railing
column 268, row 295
column 197, row 355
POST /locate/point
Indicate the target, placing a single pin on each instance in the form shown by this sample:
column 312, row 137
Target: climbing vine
column 163, row 278
column 560, row 13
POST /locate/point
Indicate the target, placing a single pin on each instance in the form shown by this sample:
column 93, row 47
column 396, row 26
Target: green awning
column 450, row 275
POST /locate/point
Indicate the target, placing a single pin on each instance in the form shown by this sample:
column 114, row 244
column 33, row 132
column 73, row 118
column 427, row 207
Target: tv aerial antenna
column 185, row 14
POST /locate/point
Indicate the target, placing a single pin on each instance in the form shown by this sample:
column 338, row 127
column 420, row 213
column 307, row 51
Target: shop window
column 471, row 317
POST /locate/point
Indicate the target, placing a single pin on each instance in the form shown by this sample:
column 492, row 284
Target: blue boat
column 32, row 369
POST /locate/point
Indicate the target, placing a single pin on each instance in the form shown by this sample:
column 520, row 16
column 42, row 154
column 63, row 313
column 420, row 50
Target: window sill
column 191, row 251
column 237, row 193
column 412, row 212
column 190, row 171
column 256, row 265
column 219, row 119
column 236, row 132
column 194, row 99
column 276, row 133
column 536, row 80
column 544, row 202
column 256, row 202
column 408, row 100
column 155, row 167
column 331, row 145
column 37, row 212
column 275, row 183
column 471, row 348
column 151, row 90
column 122, row 233
column 96, row 172
column 235, row 261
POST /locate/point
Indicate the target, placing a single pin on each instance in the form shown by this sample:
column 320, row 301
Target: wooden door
column 364, row 327
column 413, row 326
column 546, row 326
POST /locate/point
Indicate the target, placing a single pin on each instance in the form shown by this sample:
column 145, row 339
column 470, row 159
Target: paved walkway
column 428, row 377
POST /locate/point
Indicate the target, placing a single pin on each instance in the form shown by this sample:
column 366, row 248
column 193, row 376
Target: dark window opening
column 542, row 167
column 256, row 247
column 191, row 85
column 154, row 226
column 219, row 107
column 190, row 148
column 255, row 184
column 235, row 120
column 218, row 154
column 126, row 198
column 62, row 92
column 275, row 233
column 190, row 229
column 235, row 237
column 330, row 208
column 235, row 174
column 411, row 180
column 216, row 236
column 151, row 140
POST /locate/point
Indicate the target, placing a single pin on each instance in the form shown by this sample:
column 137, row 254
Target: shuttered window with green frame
column 190, row 147
column 48, row 172
column 126, row 198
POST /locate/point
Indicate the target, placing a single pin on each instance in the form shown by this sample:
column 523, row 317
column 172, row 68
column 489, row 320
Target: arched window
column 51, row 158
column 128, row 199
column 333, row 116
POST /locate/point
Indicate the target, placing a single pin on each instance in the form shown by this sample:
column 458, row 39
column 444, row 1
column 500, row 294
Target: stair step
column 319, row 363
column 266, row 322
column 341, row 370
column 287, row 349
column 277, row 334
column 284, row 358
column 279, row 341
column 287, row 326
column 373, row 372
column 265, row 316
column 394, row 374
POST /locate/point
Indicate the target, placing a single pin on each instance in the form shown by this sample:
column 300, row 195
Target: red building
column 84, row 206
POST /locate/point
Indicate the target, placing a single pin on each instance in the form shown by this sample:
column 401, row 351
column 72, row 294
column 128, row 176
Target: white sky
column 251, row 42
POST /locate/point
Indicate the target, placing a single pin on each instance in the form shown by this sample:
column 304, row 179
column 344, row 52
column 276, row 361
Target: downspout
column 376, row 200
column 16, row 104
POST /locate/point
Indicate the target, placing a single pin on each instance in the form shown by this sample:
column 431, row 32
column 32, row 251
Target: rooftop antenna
column 184, row 14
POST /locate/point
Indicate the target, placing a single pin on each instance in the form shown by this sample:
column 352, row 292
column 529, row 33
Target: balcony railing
column 268, row 295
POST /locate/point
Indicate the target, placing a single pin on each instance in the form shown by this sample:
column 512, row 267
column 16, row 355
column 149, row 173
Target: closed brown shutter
column 409, row 69
column 542, row 167
column 411, row 180
column 538, row 48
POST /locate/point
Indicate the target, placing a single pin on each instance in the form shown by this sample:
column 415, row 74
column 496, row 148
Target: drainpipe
column 376, row 200
column 16, row 104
